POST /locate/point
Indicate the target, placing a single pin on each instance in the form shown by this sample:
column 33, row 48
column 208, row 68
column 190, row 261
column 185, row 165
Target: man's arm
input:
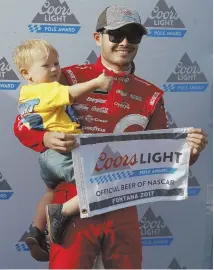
column 40, row 140
column 30, row 138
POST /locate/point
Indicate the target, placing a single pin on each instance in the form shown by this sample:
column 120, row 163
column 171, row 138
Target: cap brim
column 121, row 24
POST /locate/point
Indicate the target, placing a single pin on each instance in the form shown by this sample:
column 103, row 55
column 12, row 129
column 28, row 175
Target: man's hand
column 197, row 140
column 59, row 142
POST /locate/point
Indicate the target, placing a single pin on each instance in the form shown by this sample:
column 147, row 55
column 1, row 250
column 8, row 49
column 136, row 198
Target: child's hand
column 105, row 82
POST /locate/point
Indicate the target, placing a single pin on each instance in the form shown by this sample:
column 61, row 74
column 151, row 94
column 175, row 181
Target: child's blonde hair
column 23, row 53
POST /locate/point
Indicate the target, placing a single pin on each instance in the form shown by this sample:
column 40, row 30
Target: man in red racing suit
column 133, row 104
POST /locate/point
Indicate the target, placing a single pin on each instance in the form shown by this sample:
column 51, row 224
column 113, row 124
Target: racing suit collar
column 110, row 72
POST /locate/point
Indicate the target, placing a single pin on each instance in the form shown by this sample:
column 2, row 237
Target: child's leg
column 36, row 240
column 39, row 220
column 58, row 216
column 61, row 165
column 71, row 207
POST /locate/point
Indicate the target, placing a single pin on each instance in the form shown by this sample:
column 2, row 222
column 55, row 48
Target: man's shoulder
column 144, row 83
column 77, row 73
column 81, row 68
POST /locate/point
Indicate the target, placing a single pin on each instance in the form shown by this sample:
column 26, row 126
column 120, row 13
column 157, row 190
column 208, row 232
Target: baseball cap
column 114, row 17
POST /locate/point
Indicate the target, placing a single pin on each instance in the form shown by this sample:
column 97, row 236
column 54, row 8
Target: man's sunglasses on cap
column 117, row 36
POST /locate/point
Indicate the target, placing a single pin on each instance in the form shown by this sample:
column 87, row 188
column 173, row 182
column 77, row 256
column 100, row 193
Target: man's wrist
column 44, row 140
column 193, row 159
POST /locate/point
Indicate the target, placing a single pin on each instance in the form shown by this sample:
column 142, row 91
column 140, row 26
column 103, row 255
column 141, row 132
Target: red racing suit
column 133, row 104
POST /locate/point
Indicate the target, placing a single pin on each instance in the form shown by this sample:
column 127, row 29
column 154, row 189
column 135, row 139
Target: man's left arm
column 197, row 138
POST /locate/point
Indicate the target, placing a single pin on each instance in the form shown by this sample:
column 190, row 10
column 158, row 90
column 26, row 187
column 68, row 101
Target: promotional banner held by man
column 117, row 171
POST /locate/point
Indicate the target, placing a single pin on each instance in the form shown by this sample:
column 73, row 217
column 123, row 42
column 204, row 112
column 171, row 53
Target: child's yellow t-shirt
column 42, row 107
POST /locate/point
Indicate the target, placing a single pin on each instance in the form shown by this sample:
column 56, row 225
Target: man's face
column 118, row 47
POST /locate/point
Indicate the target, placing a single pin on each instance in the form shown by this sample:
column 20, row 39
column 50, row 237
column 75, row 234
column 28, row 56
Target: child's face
column 44, row 68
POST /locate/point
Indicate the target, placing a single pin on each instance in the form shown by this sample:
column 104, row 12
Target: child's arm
column 102, row 81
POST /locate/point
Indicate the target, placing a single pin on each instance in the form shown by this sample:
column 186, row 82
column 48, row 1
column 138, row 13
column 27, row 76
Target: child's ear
column 25, row 74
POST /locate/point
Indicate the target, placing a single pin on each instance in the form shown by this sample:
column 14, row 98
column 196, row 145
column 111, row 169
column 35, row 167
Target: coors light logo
column 109, row 161
column 175, row 265
column 8, row 78
column 164, row 22
column 154, row 231
column 21, row 246
column 5, row 189
column 187, row 77
column 55, row 17
column 91, row 59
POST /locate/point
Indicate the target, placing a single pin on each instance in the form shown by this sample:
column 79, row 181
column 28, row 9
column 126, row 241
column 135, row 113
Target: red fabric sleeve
column 30, row 138
column 158, row 119
column 71, row 74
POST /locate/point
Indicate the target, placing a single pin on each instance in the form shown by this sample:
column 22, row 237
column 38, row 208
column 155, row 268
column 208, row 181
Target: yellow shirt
column 42, row 107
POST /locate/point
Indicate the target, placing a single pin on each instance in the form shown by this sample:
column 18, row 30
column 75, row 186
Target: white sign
column 114, row 171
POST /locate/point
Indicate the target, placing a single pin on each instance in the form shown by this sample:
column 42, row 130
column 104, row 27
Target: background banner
column 176, row 56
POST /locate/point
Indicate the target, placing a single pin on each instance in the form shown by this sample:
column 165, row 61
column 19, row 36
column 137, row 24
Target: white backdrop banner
column 114, row 171
column 176, row 56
